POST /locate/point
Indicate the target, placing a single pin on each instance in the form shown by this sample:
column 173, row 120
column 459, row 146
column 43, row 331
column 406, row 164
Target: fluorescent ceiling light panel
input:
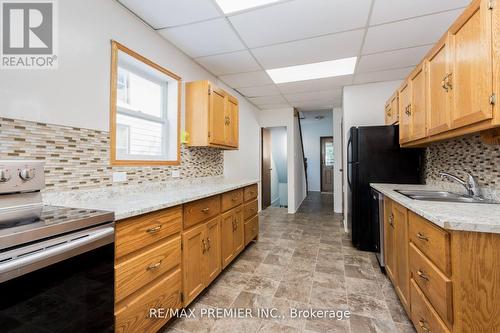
column 231, row 6
column 318, row 70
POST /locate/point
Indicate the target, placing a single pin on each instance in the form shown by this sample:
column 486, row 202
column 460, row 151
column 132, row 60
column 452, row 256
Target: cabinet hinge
column 208, row 134
column 491, row 4
column 182, row 245
column 209, row 91
column 182, row 297
column 493, row 99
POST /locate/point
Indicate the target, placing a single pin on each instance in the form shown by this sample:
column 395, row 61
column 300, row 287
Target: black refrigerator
column 374, row 156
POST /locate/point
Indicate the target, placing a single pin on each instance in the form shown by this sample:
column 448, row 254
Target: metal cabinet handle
column 205, row 210
column 153, row 266
column 391, row 220
column 203, row 246
column 235, row 198
column 443, row 83
column 208, row 243
column 422, row 236
column 422, row 325
column 422, row 275
column 448, row 81
column 408, row 110
column 154, row 229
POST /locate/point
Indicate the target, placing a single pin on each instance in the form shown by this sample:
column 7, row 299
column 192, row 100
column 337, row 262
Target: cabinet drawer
column 250, row 192
column 135, row 233
column 250, row 209
column 145, row 266
column 135, row 315
column 433, row 241
column 423, row 316
column 433, row 283
column 251, row 229
column 201, row 210
column 231, row 199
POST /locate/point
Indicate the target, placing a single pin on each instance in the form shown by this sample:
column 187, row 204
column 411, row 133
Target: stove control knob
column 27, row 174
column 4, row 175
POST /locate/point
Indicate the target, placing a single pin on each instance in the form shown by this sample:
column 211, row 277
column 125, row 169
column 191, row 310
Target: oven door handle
column 70, row 246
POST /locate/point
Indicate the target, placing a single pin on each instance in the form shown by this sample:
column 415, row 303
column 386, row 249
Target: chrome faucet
column 471, row 185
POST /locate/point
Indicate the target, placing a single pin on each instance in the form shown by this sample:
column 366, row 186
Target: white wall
column 312, row 131
column 299, row 171
column 77, row 93
column 363, row 106
column 296, row 185
column 337, row 160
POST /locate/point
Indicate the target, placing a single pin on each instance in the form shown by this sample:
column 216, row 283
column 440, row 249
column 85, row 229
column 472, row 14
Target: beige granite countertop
column 447, row 215
column 131, row 200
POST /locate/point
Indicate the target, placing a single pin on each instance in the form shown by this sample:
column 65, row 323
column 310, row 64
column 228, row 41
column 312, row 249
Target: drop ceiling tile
column 315, row 85
column 162, row 14
column 299, row 19
column 392, row 59
column 274, row 106
column 330, row 47
column 389, row 75
column 249, row 79
column 204, row 38
column 229, row 63
column 409, row 33
column 314, row 95
column 390, row 10
column 315, row 105
column 266, row 90
column 266, row 100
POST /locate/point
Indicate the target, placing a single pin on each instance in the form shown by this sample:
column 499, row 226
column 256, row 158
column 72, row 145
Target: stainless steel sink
column 426, row 195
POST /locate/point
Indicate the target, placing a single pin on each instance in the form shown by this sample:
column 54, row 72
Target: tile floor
column 301, row 261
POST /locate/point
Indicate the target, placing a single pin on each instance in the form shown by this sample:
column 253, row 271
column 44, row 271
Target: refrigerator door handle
column 349, row 150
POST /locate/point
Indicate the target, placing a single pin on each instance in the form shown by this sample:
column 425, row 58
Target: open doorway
column 274, row 167
column 326, row 164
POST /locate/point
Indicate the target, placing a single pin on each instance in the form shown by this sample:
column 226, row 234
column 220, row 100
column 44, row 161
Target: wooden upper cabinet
column 217, row 114
column 395, row 108
column 232, row 123
column 212, row 116
column 438, row 98
column 404, row 112
column 470, row 80
column 417, row 109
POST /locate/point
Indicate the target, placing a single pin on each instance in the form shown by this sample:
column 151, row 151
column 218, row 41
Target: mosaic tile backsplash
column 464, row 154
column 78, row 158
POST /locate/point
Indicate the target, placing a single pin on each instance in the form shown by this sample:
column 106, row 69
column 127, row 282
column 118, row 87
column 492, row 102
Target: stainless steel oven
column 56, row 263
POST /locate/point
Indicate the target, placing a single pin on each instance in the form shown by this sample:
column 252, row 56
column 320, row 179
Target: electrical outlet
column 119, row 177
column 176, row 173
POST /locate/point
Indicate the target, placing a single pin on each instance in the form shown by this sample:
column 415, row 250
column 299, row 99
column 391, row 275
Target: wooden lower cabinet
column 448, row 281
column 232, row 235
column 134, row 315
column 402, row 269
column 201, row 257
column 165, row 259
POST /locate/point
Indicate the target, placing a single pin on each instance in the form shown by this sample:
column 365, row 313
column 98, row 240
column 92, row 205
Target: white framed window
column 144, row 111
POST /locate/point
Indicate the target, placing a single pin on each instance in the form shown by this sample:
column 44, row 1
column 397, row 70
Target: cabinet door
column 389, row 250
column 239, row 231
column 217, row 115
column 438, row 101
column 388, row 113
column 226, row 234
column 213, row 254
column 401, row 250
column 232, row 124
column 193, row 258
column 418, row 103
column 395, row 108
column 404, row 112
column 471, row 80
